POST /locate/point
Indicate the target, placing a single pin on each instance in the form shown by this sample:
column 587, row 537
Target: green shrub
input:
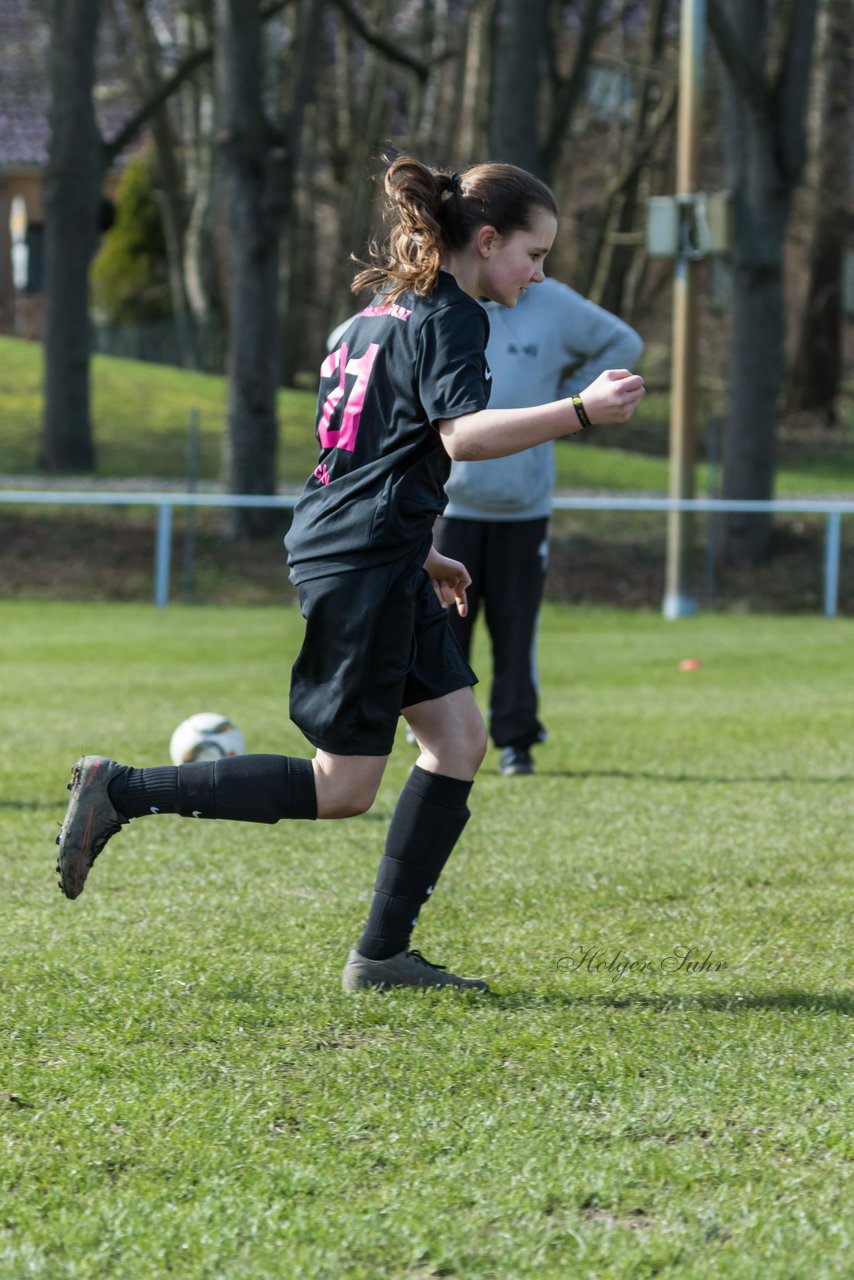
column 130, row 277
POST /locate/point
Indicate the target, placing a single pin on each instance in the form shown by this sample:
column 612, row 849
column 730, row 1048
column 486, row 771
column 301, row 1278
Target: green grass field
column 186, row 1091
column 141, row 414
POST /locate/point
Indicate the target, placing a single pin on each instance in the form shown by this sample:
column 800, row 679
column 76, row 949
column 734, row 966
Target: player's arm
column 496, row 433
column 450, row 579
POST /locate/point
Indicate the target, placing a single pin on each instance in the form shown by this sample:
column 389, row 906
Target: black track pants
column 507, row 563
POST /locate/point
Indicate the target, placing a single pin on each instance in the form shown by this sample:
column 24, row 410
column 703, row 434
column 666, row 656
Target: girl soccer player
column 405, row 391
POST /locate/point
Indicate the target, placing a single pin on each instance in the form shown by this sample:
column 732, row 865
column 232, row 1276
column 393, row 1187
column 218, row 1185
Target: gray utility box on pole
column 697, row 225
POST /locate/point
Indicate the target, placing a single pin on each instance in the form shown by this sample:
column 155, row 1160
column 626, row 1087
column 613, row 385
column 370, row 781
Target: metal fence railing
column 165, row 503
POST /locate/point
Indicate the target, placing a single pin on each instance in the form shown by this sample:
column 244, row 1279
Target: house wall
column 21, row 315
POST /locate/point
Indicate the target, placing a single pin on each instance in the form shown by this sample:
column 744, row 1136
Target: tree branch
column 645, row 147
column 110, row 150
column 391, row 51
column 116, row 145
column 566, row 99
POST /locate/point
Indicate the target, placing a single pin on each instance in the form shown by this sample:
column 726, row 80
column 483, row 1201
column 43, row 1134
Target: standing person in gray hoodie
column 551, row 344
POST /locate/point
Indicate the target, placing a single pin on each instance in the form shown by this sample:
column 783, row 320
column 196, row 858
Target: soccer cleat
column 406, row 969
column 90, row 820
column 515, row 760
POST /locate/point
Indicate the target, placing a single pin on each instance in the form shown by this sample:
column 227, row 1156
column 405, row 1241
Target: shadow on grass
column 792, row 1001
column 642, row 775
column 22, row 806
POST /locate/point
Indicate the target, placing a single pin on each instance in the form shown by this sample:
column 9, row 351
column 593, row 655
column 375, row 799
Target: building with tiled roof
column 24, row 142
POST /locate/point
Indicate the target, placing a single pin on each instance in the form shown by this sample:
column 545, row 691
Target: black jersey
column 379, row 484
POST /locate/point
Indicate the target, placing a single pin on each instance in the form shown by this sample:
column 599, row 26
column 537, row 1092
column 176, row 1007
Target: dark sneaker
column 406, row 969
column 90, row 820
column 515, row 760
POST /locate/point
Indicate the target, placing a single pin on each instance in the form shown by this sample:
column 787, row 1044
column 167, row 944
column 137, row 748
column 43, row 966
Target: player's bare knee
column 457, row 758
column 344, row 790
column 473, row 751
column 347, row 804
column 344, row 809
column 359, row 802
column 480, row 745
column 474, row 740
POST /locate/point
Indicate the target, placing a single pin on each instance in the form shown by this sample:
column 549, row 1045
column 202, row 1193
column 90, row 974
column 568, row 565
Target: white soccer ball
column 206, row 736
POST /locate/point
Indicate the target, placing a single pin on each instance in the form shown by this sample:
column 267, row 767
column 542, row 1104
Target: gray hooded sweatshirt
column 553, row 343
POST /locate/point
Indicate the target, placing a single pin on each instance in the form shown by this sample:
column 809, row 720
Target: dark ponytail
column 431, row 212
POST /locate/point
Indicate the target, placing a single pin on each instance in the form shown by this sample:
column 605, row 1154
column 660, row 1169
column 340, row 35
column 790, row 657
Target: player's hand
column 613, row 397
column 450, row 580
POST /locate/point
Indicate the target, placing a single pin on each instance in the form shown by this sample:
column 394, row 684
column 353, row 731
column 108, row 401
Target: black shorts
column 376, row 640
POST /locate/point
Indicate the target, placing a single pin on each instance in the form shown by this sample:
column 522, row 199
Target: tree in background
column 519, row 48
column 766, row 54
column 147, row 52
column 310, row 92
column 130, row 276
column 79, row 157
column 265, row 90
column 616, row 265
column 817, row 362
column 378, row 95
column 260, row 136
column 72, row 197
column 255, row 164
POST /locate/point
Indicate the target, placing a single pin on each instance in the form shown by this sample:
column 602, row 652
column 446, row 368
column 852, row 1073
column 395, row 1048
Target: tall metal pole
column 683, row 414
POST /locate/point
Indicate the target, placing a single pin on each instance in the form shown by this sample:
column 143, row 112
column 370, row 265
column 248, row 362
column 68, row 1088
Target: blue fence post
column 832, row 545
column 165, row 504
column 162, row 554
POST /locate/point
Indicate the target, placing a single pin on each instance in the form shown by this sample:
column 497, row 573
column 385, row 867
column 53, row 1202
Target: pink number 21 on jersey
column 344, row 435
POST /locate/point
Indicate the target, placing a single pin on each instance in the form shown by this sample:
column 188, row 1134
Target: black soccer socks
column 426, row 824
column 251, row 788
column 135, row 792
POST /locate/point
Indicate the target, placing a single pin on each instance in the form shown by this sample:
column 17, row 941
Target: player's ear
column 484, row 239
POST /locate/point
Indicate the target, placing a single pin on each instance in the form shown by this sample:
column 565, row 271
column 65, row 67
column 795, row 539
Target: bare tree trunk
column 298, row 281
column 519, row 42
column 817, row 364
column 568, row 92
column 294, row 284
column 171, row 177
column 764, row 136
column 202, row 185
column 425, row 127
column 256, row 201
column 461, row 100
column 358, row 143
column 473, row 112
column 657, row 136
column 619, row 255
column 72, row 201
